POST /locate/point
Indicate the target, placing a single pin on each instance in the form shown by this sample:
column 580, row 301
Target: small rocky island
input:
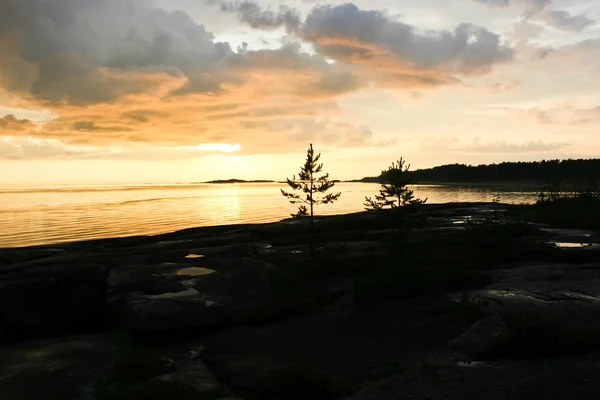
column 474, row 302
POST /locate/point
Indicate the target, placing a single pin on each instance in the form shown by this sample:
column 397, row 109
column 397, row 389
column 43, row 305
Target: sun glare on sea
column 230, row 203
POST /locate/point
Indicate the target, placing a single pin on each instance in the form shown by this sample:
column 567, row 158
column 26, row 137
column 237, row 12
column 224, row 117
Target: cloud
column 85, row 52
column 531, row 6
column 539, row 116
column 504, row 86
column 17, row 148
column 32, row 148
column 563, row 113
column 124, row 72
column 348, row 33
column 143, row 116
column 91, row 126
column 494, row 3
column 10, row 124
column 390, row 52
column 541, row 10
column 332, row 133
column 504, row 147
column 563, row 20
column 252, row 14
column 121, row 72
column 478, row 146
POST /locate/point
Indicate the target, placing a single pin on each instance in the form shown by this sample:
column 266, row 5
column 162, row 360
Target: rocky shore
column 505, row 310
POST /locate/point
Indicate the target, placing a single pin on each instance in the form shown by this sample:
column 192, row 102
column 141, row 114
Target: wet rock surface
column 213, row 293
column 223, row 304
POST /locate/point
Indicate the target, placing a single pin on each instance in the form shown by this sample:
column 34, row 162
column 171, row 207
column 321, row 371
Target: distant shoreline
column 225, row 181
column 376, row 181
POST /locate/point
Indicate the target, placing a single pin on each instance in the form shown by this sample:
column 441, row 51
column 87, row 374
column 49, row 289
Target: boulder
column 485, row 335
column 543, row 295
column 50, row 299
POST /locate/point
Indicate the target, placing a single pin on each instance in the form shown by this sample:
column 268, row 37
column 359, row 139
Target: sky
column 165, row 91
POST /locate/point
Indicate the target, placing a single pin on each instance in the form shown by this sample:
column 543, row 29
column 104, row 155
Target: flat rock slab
column 55, row 369
column 51, row 299
column 348, row 346
column 545, row 294
column 207, row 293
column 484, row 335
column 547, row 379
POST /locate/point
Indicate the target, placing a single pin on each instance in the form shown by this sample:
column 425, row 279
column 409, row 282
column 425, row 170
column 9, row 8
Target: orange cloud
column 119, row 73
column 9, row 124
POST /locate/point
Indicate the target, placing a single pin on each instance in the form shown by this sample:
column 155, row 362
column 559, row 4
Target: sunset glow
column 192, row 90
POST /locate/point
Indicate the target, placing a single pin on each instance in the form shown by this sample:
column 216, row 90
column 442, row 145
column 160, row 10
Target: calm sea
column 30, row 216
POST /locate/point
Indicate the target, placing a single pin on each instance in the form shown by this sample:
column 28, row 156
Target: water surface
column 31, row 216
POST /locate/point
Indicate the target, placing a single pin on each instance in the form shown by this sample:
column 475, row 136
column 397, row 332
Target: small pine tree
column 394, row 194
column 312, row 185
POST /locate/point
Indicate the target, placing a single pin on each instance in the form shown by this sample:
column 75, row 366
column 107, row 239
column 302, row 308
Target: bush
column 581, row 212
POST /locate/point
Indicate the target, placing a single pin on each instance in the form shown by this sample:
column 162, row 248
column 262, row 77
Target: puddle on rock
column 470, row 363
column 195, row 271
column 571, row 245
column 176, row 295
column 193, row 256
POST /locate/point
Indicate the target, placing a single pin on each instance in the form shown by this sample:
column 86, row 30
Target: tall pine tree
column 312, row 185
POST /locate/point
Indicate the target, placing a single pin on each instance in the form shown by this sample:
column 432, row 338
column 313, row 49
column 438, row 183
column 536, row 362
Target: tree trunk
column 399, row 226
column 312, row 239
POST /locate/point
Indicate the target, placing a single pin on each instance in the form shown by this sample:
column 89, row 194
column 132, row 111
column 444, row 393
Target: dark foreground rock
column 550, row 379
column 564, row 297
column 51, row 299
column 244, row 311
column 540, row 340
column 204, row 294
column 55, row 369
column 345, row 345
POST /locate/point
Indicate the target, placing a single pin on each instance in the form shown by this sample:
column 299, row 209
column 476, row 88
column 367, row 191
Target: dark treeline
column 566, row 171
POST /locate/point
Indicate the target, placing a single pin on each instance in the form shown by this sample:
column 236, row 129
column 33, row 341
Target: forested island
column 566, row 171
